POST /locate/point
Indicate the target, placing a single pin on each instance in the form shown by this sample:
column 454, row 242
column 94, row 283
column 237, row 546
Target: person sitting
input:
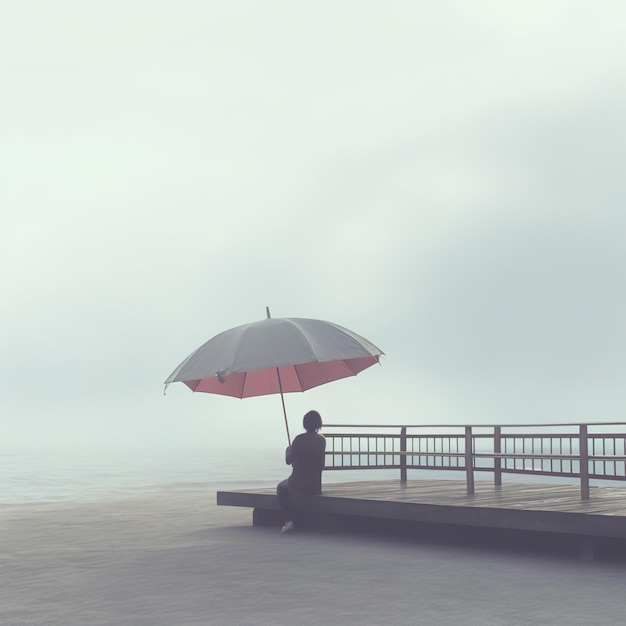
column 306, row 456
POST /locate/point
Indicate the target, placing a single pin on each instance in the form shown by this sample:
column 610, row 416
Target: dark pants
column 284, row 498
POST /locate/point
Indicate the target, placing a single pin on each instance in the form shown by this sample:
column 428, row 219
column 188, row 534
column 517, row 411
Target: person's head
column 312, row 422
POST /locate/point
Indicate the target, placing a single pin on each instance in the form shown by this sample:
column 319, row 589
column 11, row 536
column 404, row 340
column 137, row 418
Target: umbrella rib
column 243, row 385
column 295, row 369
column 347, row 364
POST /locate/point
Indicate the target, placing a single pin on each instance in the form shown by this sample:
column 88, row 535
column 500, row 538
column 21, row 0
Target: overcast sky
column 443, row 178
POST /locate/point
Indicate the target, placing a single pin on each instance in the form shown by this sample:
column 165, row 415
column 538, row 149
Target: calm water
column 47, row 475
column 54, row 476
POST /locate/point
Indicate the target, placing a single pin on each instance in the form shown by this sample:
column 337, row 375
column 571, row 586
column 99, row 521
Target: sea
column 66, row 475
column 31, row 476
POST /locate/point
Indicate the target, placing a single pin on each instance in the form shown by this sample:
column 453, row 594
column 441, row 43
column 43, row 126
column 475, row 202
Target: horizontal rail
column 478, row 455
column 526, row 425
column 499, row 449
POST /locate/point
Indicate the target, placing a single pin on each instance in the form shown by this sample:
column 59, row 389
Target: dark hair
column 312, row 421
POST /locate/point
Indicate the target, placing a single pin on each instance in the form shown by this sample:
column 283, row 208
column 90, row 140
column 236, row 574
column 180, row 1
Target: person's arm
column 290, row 452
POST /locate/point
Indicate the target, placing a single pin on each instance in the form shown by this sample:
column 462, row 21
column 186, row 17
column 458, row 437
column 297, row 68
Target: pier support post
column 497, row 461
column 267, row 517
column 469, row 460
column 583, row 451
column 403, row 455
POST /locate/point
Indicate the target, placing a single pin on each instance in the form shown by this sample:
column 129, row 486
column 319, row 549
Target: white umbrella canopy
column 275, row 355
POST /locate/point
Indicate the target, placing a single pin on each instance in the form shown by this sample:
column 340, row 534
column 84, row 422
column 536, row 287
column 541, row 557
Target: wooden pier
column 585, row 514
column 554, row 511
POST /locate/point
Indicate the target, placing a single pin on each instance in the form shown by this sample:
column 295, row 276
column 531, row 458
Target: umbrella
column 275, row 355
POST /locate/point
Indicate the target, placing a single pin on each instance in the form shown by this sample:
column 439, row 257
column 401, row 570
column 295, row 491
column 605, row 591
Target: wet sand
column 179, row 560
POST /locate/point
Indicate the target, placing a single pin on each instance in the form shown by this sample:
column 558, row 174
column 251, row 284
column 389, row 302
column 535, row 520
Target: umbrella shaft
column 282, row 399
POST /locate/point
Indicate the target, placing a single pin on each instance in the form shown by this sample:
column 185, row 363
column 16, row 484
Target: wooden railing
column 584, row 451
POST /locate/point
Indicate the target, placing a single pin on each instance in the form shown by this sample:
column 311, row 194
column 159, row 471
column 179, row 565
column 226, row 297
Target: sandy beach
column 178, row 559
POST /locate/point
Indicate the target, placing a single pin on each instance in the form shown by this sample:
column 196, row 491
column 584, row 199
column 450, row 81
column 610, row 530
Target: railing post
column 583, row 451
column 469, row 460
column 497, row 461
column 403, row 455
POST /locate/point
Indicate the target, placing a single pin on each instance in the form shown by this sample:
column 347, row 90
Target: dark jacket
column 306, row 455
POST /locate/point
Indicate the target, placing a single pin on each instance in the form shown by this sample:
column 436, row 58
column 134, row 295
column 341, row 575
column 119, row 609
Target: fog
column 444, row 179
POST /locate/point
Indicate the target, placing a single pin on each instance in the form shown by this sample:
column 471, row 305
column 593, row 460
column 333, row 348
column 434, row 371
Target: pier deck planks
column 536, row 507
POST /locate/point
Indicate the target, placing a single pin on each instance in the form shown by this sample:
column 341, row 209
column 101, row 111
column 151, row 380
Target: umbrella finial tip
column 267, row 312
